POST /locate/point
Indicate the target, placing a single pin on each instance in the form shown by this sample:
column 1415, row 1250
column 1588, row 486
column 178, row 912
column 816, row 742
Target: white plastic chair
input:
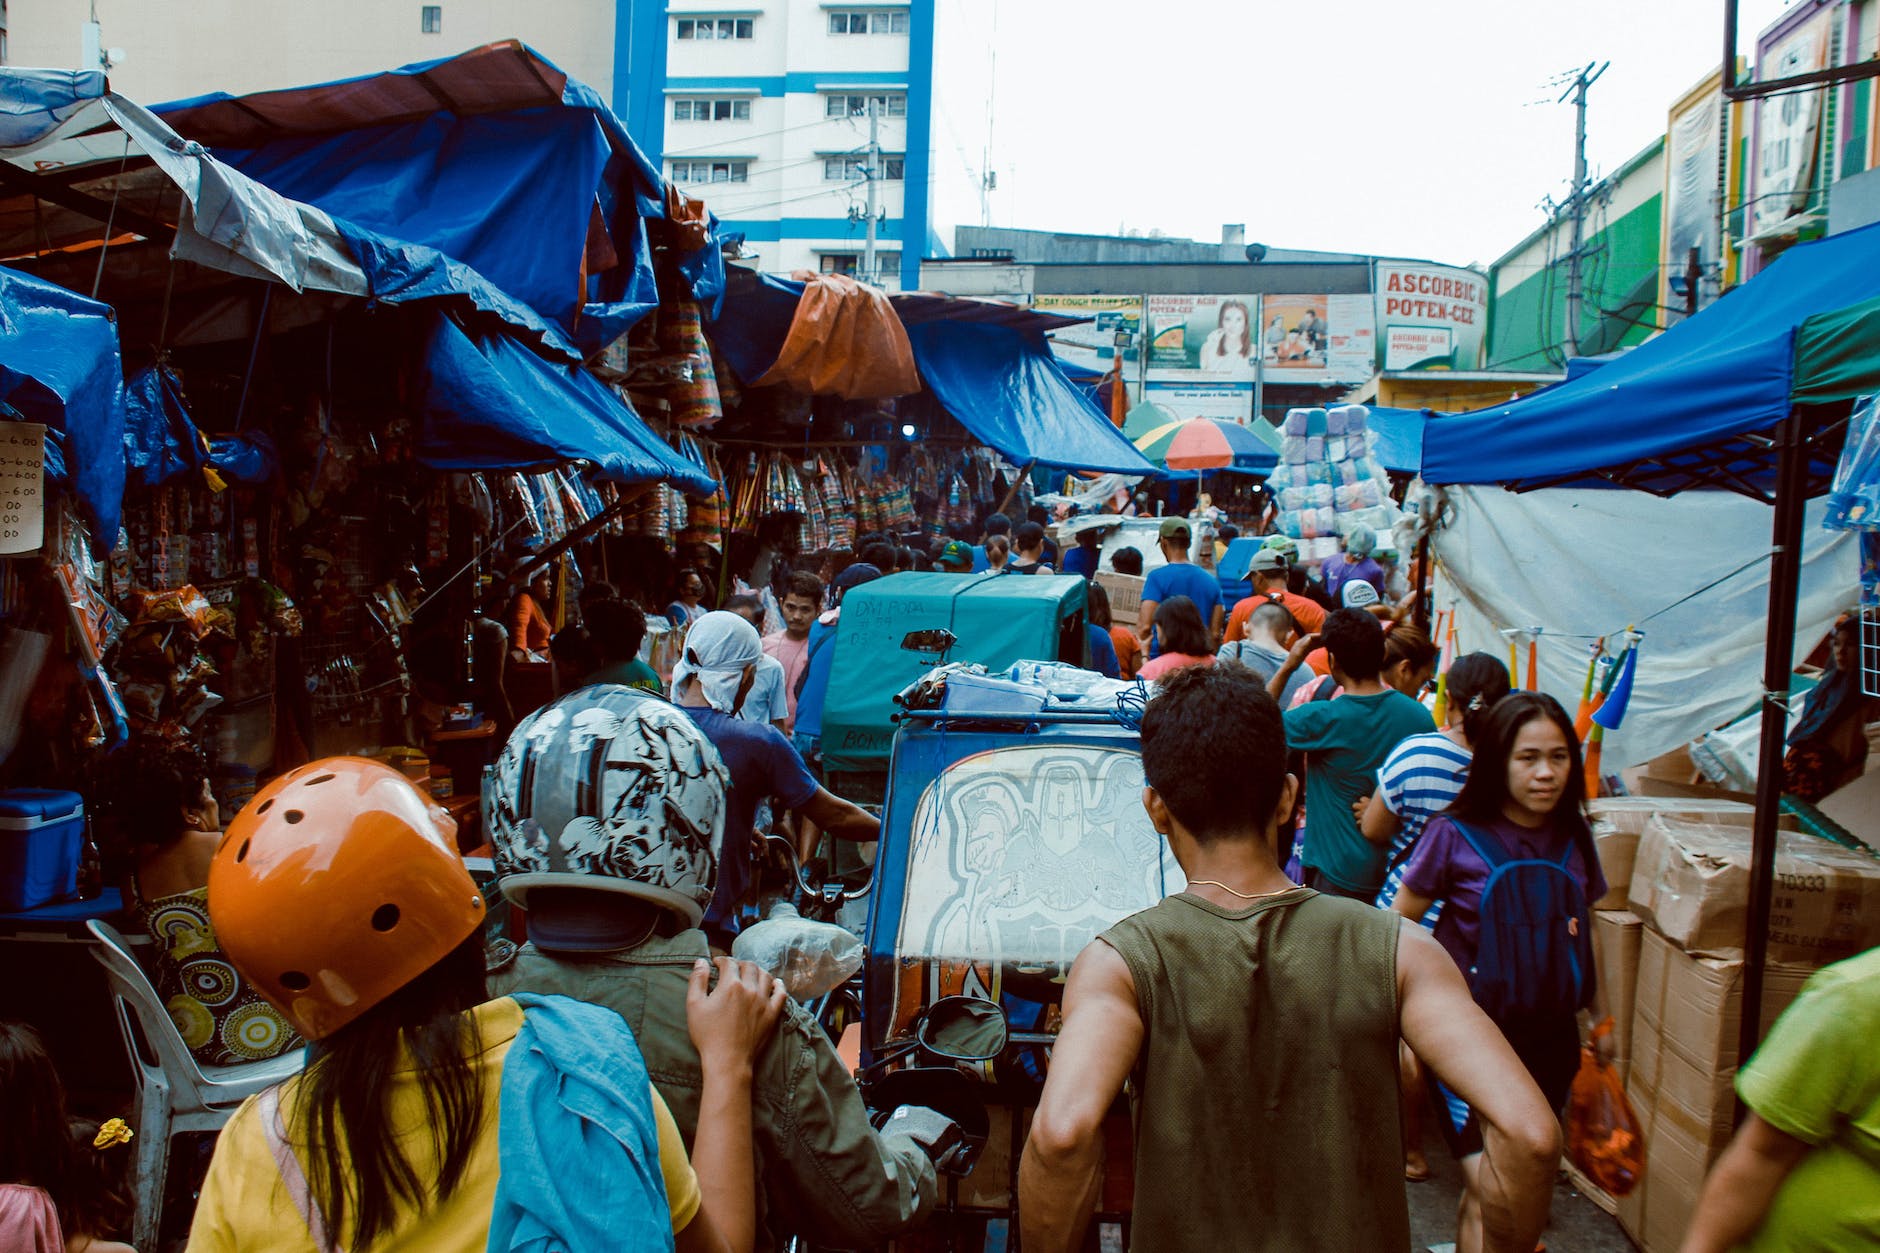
column 174, row 1093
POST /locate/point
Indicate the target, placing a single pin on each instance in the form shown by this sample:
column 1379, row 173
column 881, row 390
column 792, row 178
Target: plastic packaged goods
column 809, row 958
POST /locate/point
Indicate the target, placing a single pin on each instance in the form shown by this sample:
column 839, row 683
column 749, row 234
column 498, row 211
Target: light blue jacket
column 577, row 1142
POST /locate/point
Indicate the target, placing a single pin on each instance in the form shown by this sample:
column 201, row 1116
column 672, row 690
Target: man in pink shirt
column 802, row 601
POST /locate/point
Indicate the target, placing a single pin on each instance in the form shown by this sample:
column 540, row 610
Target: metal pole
column 1259, row 356
column 1587, row 77
column 1785, row 572
column 869, row 274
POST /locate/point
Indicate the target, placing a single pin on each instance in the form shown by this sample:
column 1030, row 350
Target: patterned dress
column 221, row 1019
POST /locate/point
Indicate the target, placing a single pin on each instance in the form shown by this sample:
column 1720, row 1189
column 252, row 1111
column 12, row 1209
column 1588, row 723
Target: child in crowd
column 56, row 1196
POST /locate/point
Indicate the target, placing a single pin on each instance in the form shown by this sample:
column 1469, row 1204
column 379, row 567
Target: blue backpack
column 1534, row 955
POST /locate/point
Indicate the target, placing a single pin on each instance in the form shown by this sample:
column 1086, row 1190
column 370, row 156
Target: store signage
column 1429, row 317
column 22, row 486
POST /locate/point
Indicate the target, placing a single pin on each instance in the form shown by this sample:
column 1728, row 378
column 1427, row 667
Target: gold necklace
column 1245, row 896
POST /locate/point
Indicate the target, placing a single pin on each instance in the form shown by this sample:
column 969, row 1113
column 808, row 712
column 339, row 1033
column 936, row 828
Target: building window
column 850, row 263
column 689, row 110
column 893, row 22
column 711, row 172
column 714, row 28
column 841, row 105
column 431, row 19
column 853, row 169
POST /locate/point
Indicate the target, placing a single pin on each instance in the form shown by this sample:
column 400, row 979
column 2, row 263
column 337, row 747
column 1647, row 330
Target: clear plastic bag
column 809, row 958
column 1854, row 497
column 1603, row 1136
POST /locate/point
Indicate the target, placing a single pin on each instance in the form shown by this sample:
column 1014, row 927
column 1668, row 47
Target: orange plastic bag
column 1603, row 1136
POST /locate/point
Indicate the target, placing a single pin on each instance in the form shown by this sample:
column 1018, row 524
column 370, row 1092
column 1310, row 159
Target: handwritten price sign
column 22, row 486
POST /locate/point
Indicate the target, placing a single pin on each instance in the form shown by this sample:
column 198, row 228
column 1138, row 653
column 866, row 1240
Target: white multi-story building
column 759, row 107
column 764, row 109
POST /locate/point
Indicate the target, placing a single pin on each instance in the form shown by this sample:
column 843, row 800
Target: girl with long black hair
column 339, row 893
column 1522, row 802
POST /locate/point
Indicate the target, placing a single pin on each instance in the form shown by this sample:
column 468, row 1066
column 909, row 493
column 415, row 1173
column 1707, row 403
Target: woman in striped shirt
column 1417, row 781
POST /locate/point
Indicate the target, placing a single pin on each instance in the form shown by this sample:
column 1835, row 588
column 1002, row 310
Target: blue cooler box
column 42, row 836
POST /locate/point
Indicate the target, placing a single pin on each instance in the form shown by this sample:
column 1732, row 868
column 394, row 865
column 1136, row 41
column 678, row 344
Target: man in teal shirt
column 1345, row 740
column 617, row 629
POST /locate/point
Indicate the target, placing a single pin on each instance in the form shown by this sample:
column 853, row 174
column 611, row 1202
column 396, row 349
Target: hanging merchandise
column 693, row 391
column 1854, row 497
column 704, row 520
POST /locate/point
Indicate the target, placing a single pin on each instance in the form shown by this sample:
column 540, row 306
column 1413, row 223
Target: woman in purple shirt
column 1524, row 791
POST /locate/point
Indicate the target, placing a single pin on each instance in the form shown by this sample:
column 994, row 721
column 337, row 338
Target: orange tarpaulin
column 845, row 340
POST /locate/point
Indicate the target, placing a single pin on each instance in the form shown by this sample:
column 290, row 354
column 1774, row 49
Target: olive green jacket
column 827, row 1175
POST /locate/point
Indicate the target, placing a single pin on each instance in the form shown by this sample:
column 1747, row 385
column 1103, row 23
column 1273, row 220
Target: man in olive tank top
column 1258, row 1023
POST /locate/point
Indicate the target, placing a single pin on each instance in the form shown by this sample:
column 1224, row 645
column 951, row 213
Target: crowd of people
column 1354, row 946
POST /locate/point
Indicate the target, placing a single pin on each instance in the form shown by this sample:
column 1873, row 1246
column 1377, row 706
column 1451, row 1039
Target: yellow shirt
column 245, row 1204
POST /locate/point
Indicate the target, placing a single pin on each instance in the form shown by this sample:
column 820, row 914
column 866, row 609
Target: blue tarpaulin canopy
column 161, row 442
column 59, row 365
column 751, row 327
column 495, row 158
column 1676, row 411
column 1397, row 438
column 490, row 403
column 1004, row 386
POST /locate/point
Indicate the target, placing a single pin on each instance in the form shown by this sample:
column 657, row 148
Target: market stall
column 1750, row 396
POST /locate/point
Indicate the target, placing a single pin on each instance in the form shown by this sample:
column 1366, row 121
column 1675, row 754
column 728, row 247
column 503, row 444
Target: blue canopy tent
column 59, row 366
column 491, row 403
column 1004, row 386
column 495, row 158
column 1397, row 438
column 1746, row 395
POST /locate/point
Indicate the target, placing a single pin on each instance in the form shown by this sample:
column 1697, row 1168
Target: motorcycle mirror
column 934, row 641
column 964, row 1029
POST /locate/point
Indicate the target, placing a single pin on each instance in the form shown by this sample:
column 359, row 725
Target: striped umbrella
column 1212, row 444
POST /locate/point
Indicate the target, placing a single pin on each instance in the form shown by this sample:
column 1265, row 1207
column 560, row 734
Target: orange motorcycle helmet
column 335, row 887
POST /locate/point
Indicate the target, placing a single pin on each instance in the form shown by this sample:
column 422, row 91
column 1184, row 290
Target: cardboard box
column 1856, row 808
column 1686, row 1012
column 1691, row 882
column 1125, row 591
column 1618, row 821
column 1618, row 934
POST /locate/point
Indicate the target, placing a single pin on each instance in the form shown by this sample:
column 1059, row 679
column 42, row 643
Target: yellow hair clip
column 114, row 1131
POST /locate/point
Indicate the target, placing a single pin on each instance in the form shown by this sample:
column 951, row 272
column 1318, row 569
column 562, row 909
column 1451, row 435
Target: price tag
column 22, row 487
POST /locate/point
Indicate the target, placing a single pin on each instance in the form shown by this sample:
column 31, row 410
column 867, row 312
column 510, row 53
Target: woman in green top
column 155, row 800
column 1803, row 1174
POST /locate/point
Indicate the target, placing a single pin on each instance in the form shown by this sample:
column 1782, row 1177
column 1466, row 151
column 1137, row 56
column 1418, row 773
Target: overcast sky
column 1375, row 126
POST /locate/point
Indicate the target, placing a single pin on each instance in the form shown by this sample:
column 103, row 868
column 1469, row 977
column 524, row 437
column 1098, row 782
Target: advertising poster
column 1198, row 398
column 1295, row 333
column 1093, row 345
column 1693, row 188
column 1787, row 125
column 1211, row 335
column 1429, row 317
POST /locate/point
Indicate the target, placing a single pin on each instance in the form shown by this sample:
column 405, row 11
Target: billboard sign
column 1693, row 188
column 1788, row 125
column 1429, row 317
column 1210, row 335
column 1093, row 345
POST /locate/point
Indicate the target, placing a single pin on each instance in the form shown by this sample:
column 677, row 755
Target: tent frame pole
column 1778, row 664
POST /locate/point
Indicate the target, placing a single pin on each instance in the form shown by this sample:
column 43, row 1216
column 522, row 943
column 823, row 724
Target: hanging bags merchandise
column 1534, row 952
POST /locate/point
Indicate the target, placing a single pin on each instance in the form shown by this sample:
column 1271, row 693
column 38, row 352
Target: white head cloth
column 718, row 648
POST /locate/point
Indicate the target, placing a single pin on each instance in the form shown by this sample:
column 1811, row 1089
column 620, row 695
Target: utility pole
column 869, row 274
column 1576, row 204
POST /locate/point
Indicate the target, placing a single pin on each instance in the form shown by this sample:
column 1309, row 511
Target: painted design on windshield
column 1022, row 855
